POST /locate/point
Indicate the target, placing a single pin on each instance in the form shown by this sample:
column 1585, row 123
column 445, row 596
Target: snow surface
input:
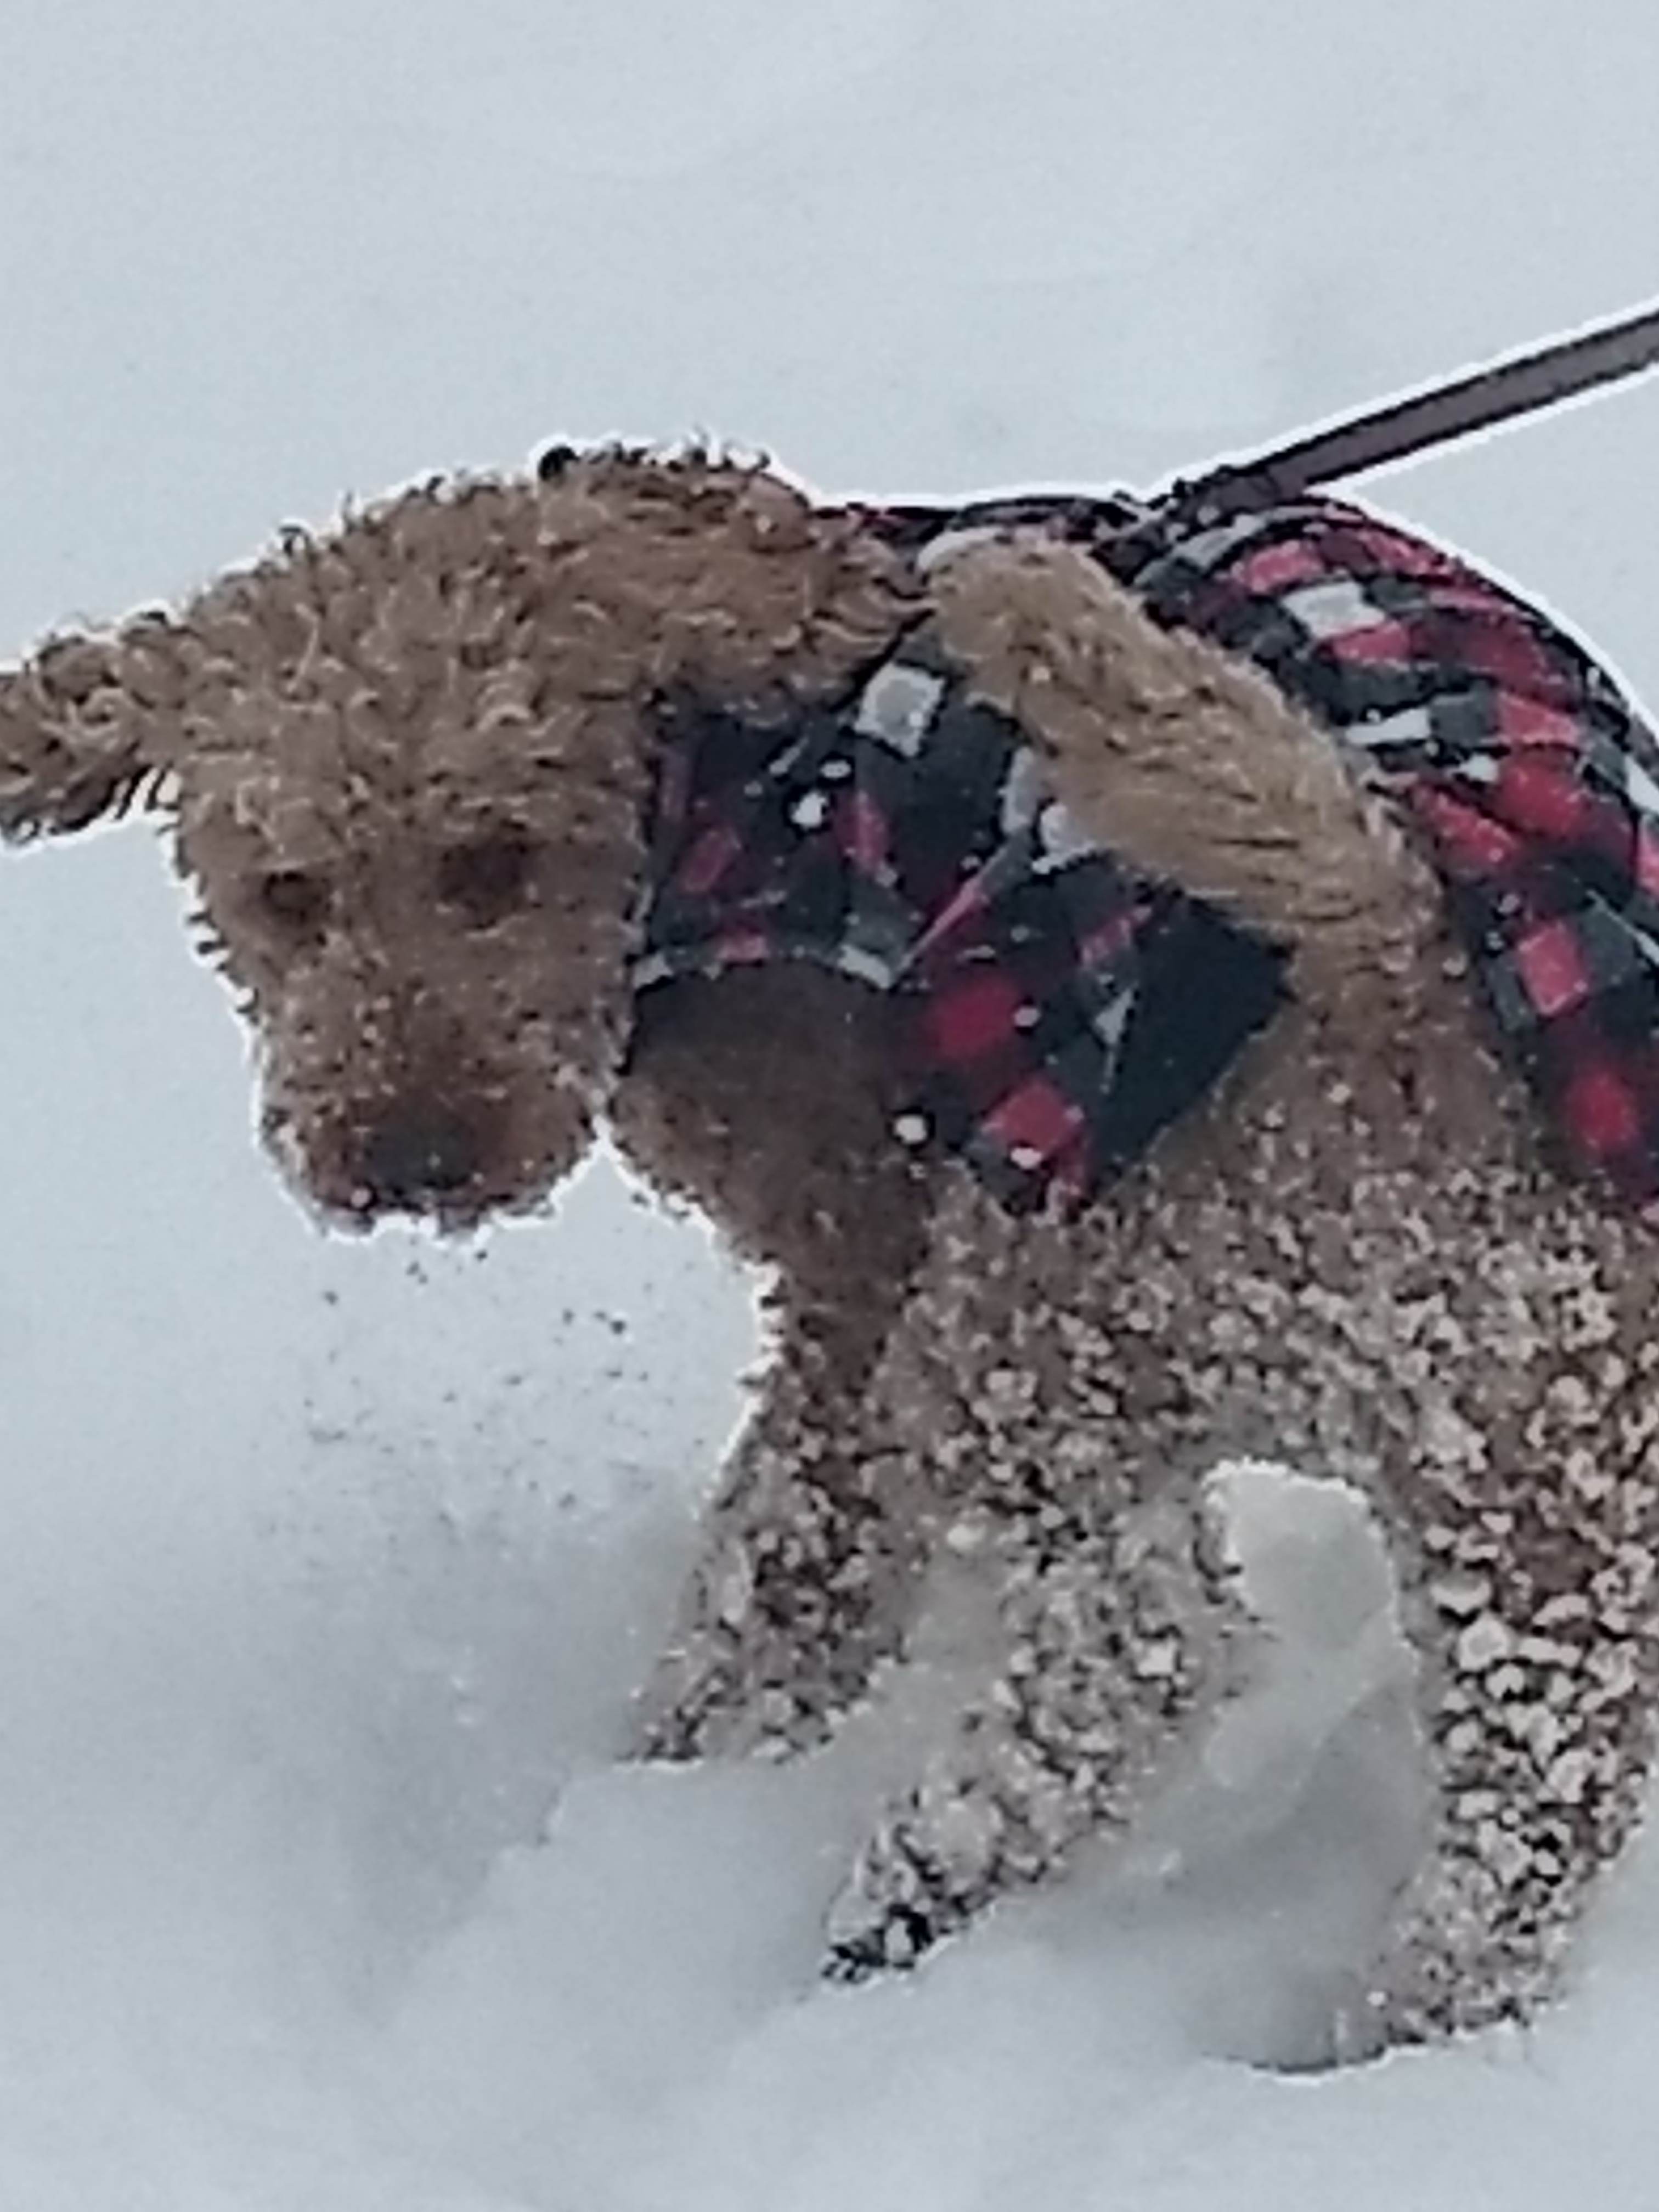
column 326, row 1569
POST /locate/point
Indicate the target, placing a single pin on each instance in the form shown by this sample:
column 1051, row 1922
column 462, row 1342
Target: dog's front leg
column 1122, row 1637
column 806, row 1579
column 765, row 1097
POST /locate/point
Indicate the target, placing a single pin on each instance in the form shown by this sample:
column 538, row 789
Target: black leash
column 1547, row 375
column 1544, row 377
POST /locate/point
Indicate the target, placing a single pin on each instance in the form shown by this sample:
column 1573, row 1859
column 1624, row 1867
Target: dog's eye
column 295, row 897
column 487, row 878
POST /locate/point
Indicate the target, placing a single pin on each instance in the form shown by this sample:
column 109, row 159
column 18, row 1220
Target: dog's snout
column 417, row 1155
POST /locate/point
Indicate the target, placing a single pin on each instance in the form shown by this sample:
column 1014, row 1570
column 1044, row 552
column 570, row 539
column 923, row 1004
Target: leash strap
column 1544, row 377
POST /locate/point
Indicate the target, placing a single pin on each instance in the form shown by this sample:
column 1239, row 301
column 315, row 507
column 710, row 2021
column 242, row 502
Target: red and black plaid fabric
column 1533, row 781
column 1058, row 1009
column 1061, row 1009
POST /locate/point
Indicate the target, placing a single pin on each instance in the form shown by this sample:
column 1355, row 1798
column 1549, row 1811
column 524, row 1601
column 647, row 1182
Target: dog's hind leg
column 765, row 1097
column 1526, row 1540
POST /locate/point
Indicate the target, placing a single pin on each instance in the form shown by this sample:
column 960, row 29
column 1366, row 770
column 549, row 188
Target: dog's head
column 407, row 767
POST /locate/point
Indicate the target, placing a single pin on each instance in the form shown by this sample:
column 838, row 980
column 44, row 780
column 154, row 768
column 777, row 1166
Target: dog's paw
column 893, row 1944
column 901, row 1900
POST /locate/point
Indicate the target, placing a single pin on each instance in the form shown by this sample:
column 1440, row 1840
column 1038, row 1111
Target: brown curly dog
column 417, row 771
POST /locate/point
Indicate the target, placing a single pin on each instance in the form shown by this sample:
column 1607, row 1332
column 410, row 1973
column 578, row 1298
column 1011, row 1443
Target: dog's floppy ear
column 1188, row 763
column 81, row 724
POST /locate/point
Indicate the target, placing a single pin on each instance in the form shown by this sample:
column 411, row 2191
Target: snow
column 327, row 1568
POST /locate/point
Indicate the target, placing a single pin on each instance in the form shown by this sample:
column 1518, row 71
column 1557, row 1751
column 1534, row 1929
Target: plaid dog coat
column 1058, row 1008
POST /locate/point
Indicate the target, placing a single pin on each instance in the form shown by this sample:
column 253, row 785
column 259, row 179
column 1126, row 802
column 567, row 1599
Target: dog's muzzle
column 417, row 1157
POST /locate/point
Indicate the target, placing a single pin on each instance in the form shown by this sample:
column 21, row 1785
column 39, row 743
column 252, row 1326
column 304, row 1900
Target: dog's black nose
column 423, row 1154
column 554, row 460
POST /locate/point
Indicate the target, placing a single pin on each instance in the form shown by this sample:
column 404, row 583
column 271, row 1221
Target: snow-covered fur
column 407, row 768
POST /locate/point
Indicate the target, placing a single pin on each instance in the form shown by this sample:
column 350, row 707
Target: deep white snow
column 326, row 1569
